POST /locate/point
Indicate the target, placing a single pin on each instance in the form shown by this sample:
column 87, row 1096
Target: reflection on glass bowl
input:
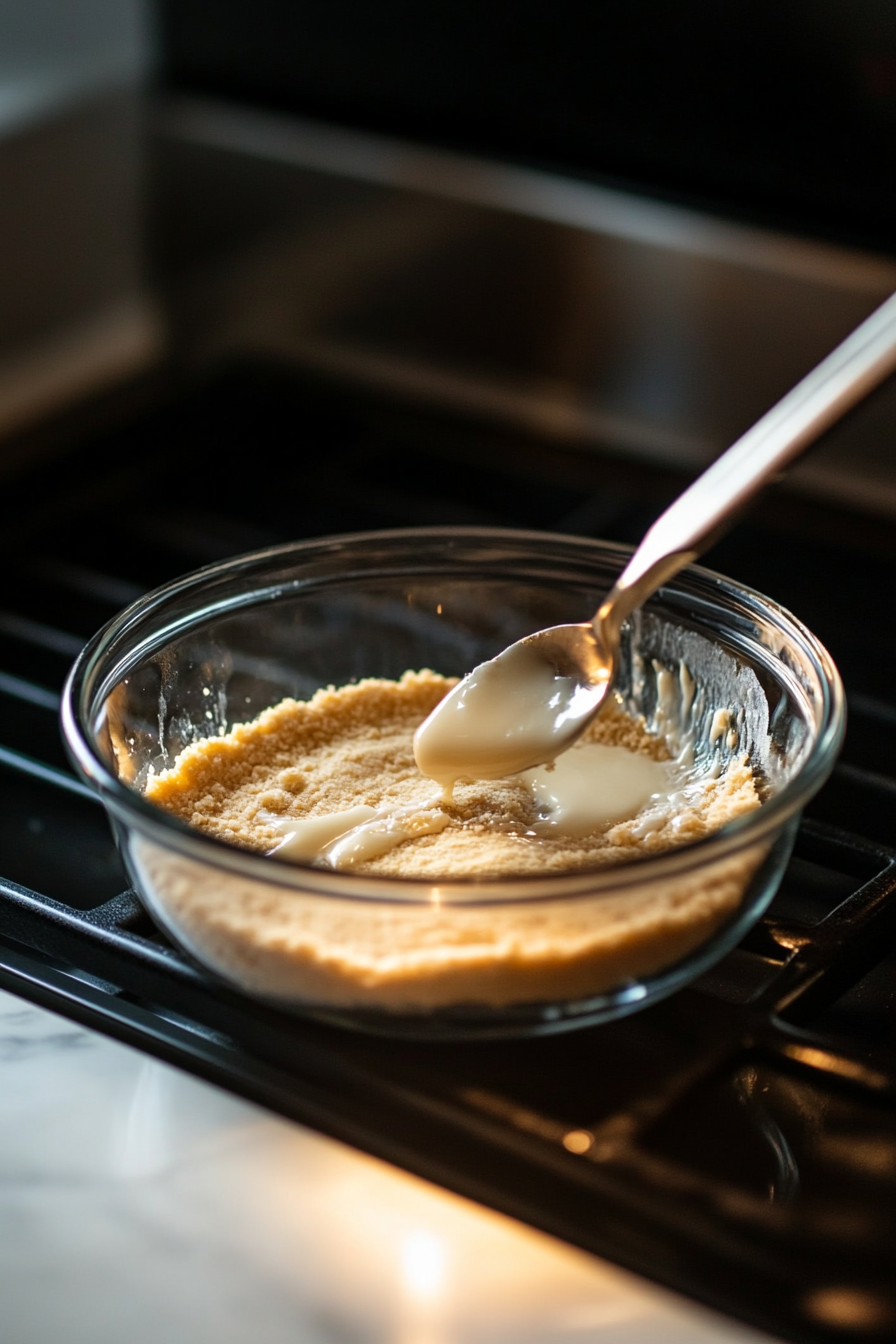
column 454, row 957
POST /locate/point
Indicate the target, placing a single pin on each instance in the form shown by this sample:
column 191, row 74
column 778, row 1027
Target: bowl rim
column 128, row 808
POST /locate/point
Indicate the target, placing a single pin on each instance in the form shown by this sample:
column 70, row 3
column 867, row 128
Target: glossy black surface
column 774, row 108
column 737, row 1141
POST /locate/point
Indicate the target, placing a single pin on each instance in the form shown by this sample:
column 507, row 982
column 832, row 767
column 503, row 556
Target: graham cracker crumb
column 354, row 745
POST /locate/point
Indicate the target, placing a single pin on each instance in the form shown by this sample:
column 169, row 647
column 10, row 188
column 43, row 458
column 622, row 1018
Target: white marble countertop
column 138, row 1203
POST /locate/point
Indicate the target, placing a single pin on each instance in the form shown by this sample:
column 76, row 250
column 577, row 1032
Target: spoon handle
column 700, row 514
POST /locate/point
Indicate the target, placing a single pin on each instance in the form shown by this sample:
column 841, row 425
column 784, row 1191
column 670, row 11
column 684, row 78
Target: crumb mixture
column 354, row 745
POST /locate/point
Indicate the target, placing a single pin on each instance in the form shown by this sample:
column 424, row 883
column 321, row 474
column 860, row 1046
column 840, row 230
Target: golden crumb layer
column 354, row 746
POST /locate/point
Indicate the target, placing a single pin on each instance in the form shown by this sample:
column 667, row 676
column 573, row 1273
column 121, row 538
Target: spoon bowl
column 525, row 707
column 520, row 709
column 490, row 955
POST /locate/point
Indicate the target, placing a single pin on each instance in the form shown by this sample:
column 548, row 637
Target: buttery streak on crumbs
column 354, row 745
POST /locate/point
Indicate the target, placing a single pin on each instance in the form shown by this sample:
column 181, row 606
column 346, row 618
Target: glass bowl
column 473, row 957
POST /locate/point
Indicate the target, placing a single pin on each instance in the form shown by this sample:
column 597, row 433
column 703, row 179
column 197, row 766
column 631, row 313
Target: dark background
column 776, row 111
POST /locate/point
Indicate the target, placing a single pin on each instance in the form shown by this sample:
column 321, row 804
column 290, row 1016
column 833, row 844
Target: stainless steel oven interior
column 396, row 335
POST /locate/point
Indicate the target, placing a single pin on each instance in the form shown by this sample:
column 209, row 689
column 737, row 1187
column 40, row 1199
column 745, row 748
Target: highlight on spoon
column 529, row 704
column 516, row 711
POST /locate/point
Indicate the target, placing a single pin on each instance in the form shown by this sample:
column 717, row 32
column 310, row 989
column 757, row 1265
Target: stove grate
column 737, row 1142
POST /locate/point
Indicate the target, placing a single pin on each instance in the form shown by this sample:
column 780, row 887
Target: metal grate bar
column 714, row 1141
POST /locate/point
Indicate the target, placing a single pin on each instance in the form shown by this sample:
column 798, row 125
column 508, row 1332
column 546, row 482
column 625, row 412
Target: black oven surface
column 737, row 1142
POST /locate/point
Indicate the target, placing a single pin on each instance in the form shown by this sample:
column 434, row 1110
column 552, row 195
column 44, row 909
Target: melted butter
column 593, row 785
column 506, row 714
column 721, row 723
column 590, row 786
column 345, row 839
column 306, row 838
column 383, row 833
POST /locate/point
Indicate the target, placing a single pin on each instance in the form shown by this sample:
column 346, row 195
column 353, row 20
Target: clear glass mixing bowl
column 456, row 957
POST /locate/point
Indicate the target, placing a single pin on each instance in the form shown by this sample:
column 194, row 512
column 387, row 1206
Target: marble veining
column 25, row 1032
column 140, row 1204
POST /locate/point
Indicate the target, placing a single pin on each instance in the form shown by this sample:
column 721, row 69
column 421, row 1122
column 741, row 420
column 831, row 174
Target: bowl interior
column 731, row 672
column 217, row 649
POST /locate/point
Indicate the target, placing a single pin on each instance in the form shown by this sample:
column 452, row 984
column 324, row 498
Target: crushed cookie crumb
column 354, row 745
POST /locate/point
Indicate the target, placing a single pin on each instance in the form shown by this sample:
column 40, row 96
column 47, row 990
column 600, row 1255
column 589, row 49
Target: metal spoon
column 535, row 699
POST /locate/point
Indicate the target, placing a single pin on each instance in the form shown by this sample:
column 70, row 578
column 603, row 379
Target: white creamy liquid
column 594, row 785
column 307, row 838
column 345, row 839
column 508, row 713
column 383, row 833
column 590, row 786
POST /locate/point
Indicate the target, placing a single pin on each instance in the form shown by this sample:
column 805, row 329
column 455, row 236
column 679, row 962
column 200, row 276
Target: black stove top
column 737, row 1142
